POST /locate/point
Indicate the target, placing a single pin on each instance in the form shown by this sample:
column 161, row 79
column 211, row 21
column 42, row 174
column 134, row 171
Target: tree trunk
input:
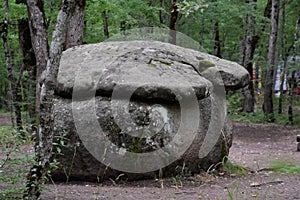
column 161, row 16
column 173, row 21
column 105, row 24
column 282, row 77
column 296, row 38
column 268, row 83
column 291, row 96
column 284, row 57
column 38, row 32
column 29, row 62
column 292, row 80
column 8, row 62
column 201, row 32
column 242, row 50
column 14, row 85
column 75, row 29
column 216, row 38
column 123, row 27
column 18, row 100
column 247, row 47
column 44, row 148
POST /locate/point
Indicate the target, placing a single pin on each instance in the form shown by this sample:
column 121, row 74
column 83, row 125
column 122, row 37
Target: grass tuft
column 230, row 168
column 285, row 167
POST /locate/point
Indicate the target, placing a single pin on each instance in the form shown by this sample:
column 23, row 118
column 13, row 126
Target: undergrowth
column 3, row 111
column 226, row 167
column 235, row 105
column 231, row 168
column 15, row 162
column 285, row 167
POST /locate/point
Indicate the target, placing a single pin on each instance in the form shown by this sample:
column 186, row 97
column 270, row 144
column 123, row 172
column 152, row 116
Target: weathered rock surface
column 108, row 64
column 162, row 82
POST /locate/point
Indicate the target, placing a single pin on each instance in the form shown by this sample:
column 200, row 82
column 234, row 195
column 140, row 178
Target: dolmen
column 141, row 109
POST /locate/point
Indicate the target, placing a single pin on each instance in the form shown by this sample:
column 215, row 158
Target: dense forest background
column 231, row 29
column 261, row 35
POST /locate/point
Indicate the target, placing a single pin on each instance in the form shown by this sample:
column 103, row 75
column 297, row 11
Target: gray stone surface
column 86, row 167
column 157, row 76
column 153, row 66
column 140, row 62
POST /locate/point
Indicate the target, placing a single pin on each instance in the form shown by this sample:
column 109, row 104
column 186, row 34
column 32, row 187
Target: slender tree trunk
column 9, row 66
column 161, row 16
column 123, row 27
column 268, row 85
column 201, row 32
column 105, row 24
column 38, row 32
column 173, row 22
column 8, row 62
column 216, row 38
column 296, row 38
column 291, row 96
column 14, row 85
column 268, row 9
column 292, row 80
column 282, row 77
column 247, row 47
column 29, row 62
column 284, row 57
column 18, row 100
column 43, row 156
column 75, row 29
column 242, row 50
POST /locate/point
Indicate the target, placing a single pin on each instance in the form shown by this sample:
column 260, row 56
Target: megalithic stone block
column 145, row 97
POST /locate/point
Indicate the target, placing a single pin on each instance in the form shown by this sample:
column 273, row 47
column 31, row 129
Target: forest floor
column 268, row 151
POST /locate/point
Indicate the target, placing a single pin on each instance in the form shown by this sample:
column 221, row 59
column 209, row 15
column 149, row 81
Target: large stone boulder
column 135, row 108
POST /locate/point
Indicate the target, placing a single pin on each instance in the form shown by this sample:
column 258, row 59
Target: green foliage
column 136, row 146
column 234, row 101
column 259, row 117
column 230, row 195
column 230, row 168
column 59, row 142
column 3, row 76
column 10, row 136
column 134, row 14
column 16, row 11
column 182, row 174
column 234, row 105
column 285, row 167
column 51, row 8
column 12, row 193
column 234, row 169
column 15, row 162
column 3, row 111
column 226, row 167
column 195, row 16
column 187, row 7
column 230, row 16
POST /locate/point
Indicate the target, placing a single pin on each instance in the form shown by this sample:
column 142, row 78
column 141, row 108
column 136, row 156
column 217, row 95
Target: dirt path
column 255, row 146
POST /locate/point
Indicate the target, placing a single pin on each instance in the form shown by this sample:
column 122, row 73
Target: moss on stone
column 206, row 64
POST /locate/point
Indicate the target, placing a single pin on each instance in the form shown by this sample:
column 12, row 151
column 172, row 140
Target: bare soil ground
column 5, row 120
column 255, row 146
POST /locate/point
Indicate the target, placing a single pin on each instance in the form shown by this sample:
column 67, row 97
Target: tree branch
column 45, row 146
